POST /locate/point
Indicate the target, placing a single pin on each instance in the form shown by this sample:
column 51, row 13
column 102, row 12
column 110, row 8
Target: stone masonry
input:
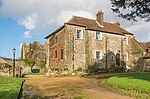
column 114, row 46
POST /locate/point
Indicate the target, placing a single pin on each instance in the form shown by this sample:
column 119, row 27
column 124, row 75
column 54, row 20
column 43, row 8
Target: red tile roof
column 91, row 24
column 94, row 25
column 144, row 45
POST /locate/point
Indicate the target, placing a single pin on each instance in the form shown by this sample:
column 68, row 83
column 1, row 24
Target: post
column 14, row 50
column 20, row 71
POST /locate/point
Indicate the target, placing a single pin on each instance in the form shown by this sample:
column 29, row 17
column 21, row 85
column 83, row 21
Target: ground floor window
column 98, row 55
column 61, row 54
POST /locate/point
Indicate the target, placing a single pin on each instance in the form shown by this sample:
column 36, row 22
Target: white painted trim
column 81, row 35
column 127, row 57
column 101, row 55
column 99, row 24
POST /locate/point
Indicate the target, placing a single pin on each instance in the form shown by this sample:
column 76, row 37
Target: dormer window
column 98, row 35
column 79, row 34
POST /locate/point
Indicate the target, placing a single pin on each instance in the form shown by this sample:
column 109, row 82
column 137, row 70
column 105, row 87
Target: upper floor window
column 98, row 35
column 98, row 55
column 56, row 39
column 79, row 34
column 61, row 54
column 126, row 40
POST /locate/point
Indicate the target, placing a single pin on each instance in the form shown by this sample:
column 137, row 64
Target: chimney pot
column 117, row 23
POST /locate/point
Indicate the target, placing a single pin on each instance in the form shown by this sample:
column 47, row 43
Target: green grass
column 135, row 84
column 9, row 88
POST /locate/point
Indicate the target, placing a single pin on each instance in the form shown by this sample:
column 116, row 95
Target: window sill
column 79, row 39
column 98, row 39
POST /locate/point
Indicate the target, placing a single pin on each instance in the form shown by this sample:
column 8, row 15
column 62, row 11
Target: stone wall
column 82, row 52
column 56, row 61
column 34, row 51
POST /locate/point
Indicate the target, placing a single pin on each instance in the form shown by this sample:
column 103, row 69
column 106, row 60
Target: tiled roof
column 94, row 25
column 144, row 45
column 91, row 24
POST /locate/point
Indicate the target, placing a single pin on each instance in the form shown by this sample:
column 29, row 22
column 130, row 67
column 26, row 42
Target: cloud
column 27, row 34
column 45, row 16
column 65, row 15
column 141, row 30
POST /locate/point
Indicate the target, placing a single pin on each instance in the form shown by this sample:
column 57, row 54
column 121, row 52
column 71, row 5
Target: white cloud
column 44, row 16
column 141, row 30
column 65, row 15
column 27, row 34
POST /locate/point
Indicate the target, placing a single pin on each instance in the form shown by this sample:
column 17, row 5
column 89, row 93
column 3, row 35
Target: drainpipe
column 73, row 52
column 106, row 51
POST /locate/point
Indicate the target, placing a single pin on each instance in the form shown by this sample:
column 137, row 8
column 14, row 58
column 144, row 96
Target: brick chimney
column 117, row 23
column 99, row 17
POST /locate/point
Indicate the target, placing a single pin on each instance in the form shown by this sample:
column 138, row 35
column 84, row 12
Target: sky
column 32, row 20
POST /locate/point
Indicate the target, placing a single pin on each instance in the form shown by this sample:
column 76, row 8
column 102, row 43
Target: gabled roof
column 91, row 24
column 94, row 25
column 144, row 45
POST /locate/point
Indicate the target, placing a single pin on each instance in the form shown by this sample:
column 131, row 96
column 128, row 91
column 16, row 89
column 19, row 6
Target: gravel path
column 70, row 88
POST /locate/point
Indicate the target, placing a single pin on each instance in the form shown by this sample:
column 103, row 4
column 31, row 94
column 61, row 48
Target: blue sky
column 32, row 20
column 12, row 37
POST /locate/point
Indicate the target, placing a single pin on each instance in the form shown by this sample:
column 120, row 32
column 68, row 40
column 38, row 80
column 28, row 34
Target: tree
column 29, row 62
column 132, row 10
column 41, row 64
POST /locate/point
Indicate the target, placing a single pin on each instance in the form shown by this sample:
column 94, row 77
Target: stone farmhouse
column 146, row 55
column 83, row 42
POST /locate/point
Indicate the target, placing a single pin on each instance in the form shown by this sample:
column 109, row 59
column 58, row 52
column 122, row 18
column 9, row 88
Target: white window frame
column 100, row 55
column 127, row 57
column 99, row 36
column 80, row 35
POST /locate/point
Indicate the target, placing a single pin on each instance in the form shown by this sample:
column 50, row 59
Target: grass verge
column 9, row 87
column 134, row 84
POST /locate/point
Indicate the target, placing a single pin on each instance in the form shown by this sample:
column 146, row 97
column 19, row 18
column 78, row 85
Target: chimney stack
column 99, row 17
column 117, row 23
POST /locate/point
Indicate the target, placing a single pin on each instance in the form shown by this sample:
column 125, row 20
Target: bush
column 35, row 70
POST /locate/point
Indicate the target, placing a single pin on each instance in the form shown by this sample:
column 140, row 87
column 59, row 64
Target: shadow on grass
column 8, row 95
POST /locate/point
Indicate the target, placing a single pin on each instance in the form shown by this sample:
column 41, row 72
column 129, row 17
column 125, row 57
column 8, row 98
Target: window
column 126, row 40
column 55, row 54
column 127, row 57
column 61, row 54
column 98, row 55
column 56, row 39
column 79, row 34
column 98, row 35
column 112, row 57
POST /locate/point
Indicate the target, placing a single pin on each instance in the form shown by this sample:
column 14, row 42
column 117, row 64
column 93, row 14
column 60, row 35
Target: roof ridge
column 84, row 17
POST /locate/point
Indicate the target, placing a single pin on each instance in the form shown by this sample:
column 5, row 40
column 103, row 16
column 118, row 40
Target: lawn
column 9, row 87
column 134, row 84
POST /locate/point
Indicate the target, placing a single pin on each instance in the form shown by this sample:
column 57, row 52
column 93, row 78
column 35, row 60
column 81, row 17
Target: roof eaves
column 104, row 31
column 57, row 30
